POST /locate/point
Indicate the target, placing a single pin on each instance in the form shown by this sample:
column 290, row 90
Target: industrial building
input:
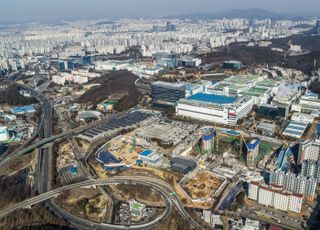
column 130, row 120
column 23, row 110
column 308, row 103
column 109, row 161
column 9, row 118
column 151, row 157
column 188, row 62
column 286, row 94
column 235, row 85
column 232, row 65
column 215, row 108
column 295, row 129
column 183, row 164
column 89, row 116
column 166, row 132
column 166, row 94
column 273, row 111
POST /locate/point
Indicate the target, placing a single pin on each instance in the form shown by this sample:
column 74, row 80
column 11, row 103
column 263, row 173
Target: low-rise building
column 251, row 224
column 151, row 157
column 136, row 208
column 295, row 129
column 183, row 164
column 23, row 110
column 308, row 103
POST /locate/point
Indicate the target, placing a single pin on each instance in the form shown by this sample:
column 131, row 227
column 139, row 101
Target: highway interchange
column 43, row 170
column 44, row 147
column 161, row 187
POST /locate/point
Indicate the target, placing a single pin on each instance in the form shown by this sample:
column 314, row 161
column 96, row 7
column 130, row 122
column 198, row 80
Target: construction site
column 127, row 147
column 227, row 143
column 203, row 186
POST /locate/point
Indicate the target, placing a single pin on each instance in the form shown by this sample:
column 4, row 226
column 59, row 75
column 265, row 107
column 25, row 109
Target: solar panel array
column 127, row 120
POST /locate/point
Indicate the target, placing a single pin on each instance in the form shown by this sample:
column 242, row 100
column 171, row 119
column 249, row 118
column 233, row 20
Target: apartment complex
column 297, row 184
column 274, row 196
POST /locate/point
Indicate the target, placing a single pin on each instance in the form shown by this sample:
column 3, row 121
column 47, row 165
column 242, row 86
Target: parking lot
column 71, row 173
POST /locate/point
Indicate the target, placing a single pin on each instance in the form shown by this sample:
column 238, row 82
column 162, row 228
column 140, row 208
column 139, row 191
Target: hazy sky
column 26, row 10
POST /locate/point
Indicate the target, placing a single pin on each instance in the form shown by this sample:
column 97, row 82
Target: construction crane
column 242, row 140
column 254, row 123
column 286, row 143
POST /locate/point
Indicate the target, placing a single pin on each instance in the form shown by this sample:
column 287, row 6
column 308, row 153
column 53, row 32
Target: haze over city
column 28, row 10
column 160, row 114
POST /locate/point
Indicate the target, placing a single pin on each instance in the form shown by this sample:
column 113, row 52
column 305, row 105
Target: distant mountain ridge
column 248, row 13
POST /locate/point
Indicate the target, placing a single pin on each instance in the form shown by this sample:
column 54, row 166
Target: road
column 156, row 184
column 44, row 178
column 54, row 138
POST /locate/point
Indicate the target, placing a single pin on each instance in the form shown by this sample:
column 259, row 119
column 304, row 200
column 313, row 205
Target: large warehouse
column 215, row 108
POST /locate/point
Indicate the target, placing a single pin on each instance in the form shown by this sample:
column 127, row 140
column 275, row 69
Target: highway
column 43, row 177
column 77, row 221
column 53, row 138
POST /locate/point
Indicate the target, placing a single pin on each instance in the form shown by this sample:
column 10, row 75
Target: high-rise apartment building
column 274, row 196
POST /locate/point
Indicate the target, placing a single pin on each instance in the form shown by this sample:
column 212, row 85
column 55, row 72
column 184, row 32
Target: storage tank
column 4, row 133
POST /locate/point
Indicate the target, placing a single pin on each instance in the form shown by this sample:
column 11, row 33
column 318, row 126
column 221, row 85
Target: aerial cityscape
column 160, row 115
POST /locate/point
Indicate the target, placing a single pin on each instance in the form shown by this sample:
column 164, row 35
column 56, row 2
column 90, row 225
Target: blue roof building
column 23, row 110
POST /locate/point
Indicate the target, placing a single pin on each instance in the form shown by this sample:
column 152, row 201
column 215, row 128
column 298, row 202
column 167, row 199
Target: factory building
column 4, row 134
column 23, row 110
column 183, row 164
column 215, row 108
column 274, row 196
column 308, row 103
column 166, row 94
column 151, row 157
column 232, row 64
column 295, row 129
column 89, row 116
column 273, row 111
column 188, row 62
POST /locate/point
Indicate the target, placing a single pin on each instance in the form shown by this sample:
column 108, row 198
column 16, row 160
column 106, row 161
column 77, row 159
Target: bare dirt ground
column 174, row 222
column 21, row 162
column 65, row 155
column 141, row 193
column 202, row 186
column 89, row 203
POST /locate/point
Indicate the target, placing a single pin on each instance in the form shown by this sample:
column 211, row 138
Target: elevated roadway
column 83, row 223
